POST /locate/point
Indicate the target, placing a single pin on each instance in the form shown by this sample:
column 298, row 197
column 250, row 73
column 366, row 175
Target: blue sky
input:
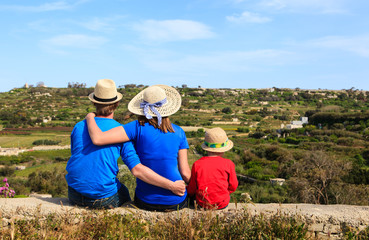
column 308, row 44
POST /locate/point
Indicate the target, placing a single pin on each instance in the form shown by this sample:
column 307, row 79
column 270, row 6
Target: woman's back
column 158, row 151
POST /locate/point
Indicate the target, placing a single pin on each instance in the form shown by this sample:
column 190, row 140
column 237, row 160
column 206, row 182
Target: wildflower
column 6, row 190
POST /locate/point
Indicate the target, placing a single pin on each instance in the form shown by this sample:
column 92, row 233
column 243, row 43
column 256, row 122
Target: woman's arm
column 183, row 166
column 147, row 175
column 98, row 137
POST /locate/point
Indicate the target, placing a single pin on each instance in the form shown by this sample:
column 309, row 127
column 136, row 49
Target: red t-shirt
column 213, row 179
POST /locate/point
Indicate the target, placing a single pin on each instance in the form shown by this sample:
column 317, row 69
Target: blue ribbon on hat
column 146, row 105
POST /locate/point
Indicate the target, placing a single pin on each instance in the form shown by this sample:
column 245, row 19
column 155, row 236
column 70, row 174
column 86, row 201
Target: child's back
column 213, row 178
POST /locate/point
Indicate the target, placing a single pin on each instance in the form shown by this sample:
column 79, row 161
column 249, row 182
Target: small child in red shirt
column 213, row 178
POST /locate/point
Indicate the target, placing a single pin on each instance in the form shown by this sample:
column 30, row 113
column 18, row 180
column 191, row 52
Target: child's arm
column 232, row 181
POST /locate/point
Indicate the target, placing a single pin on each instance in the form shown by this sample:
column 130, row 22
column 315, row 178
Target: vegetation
column 116, row 226
column 6, row 191
column 202, row 225
column 324, row 161
column 45, row 142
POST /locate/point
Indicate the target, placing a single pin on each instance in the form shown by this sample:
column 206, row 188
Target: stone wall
column 325, row 221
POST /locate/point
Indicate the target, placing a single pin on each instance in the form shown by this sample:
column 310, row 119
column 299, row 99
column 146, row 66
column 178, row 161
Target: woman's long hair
column 166, row 125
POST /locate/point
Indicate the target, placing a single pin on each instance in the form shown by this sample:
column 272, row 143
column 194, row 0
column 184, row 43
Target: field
column 322, row 161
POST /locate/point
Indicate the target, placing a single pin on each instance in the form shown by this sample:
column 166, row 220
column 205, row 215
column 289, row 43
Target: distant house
column 298, row 124
column 10, row 151
column 20, row 167
column 47, row 119
column 277, row 181
column 38, row 94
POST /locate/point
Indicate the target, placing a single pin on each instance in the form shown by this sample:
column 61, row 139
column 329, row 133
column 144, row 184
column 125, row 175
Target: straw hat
column 155, row 94
column 105, row 92
column 216, row 140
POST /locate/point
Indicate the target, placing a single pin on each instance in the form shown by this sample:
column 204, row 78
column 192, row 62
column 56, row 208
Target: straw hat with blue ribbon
column 156, row 101
column 216, row 140
column 105, row 92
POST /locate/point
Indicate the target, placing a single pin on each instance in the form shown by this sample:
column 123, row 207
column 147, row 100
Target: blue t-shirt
column 92, row 169
column 158, row 151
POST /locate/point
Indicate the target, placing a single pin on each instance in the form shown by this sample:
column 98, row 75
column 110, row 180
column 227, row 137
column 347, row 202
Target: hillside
column 316, row 140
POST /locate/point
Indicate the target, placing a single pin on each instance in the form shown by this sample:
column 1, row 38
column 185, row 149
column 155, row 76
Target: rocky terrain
column 323, row 220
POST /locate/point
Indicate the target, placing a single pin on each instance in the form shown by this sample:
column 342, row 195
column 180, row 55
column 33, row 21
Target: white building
column 298, row 124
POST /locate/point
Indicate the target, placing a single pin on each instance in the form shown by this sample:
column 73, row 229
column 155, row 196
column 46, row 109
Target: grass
column 202, row 225
column 44, row 167
column 25, row 141
column 102, row 224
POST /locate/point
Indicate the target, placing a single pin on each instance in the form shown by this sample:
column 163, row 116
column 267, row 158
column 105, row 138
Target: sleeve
column 72, row 141
column 232, row 181
column 129, row 155
column 131, row 129
column 183, row 144
column 192, row 186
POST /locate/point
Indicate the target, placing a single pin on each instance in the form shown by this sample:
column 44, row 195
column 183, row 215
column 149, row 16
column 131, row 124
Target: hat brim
column 172, row 105
column 92, row 99
column 222, row 149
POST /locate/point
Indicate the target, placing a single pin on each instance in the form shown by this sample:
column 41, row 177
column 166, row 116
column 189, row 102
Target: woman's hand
column 90, row 115
column 99, row 138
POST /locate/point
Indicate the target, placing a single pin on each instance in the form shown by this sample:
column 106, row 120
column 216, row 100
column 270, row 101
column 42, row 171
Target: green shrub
column 51, row 182
column 243, row 129
column 7, row 171
column 45, row 142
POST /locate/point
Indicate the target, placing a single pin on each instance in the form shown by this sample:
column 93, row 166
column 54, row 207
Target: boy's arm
column 232, row 181
column 131, row 159
column 192, row 186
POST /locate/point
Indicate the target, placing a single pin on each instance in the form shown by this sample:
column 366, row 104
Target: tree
column 76, row 85
column 314, row 175
column 129, row 86
column 227, row 110
column 40, row 84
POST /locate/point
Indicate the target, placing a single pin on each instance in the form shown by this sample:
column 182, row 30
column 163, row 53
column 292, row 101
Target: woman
column 160, row 145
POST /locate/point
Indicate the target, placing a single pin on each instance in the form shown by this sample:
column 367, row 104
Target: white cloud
column 100, row 24
column 52, row 6
column 227, row 61
column 95, row 24
column 357, row 44
column 74, row 41
column 247, row 17
column 172, row 30
column 318, row 6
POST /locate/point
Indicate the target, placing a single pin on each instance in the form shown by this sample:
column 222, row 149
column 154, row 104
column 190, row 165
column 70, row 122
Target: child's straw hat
column 216, row 140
